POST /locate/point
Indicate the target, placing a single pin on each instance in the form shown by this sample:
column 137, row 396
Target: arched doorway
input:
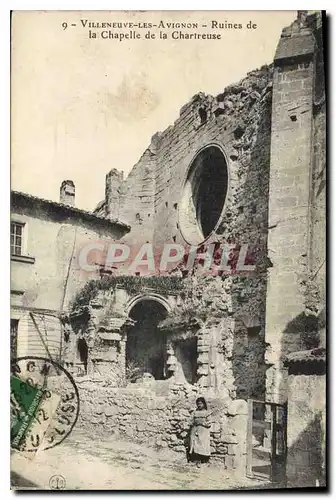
column 146, row 344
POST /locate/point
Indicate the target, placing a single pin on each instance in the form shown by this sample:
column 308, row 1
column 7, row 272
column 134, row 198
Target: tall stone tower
column 291, row 320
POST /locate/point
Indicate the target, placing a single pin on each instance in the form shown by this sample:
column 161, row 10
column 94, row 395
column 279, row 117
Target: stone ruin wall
column 296, row 240
column 318, row 214
column 239, row 121
column 231, row 341
column 229, row 349
column 284, row 210
column 159, row 415
column 306, row 437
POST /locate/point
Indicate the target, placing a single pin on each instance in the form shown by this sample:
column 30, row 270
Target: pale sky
column 82, row 106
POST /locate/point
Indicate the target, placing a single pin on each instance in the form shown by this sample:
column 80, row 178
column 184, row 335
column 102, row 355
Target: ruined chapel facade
column 245, row 167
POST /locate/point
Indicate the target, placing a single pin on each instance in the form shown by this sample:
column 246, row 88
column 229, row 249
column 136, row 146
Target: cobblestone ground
column 93, row 463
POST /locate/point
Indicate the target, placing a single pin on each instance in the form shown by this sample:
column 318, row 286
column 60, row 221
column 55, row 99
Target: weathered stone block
column 237, row 407
column 215, row 427
column 180, row 448
column 223, row 449
column 230, row 462
column 229, row 439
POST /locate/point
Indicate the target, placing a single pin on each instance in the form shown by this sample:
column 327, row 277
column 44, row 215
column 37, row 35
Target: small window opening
column 203, row 115
column 16, row 238
column 253, row 332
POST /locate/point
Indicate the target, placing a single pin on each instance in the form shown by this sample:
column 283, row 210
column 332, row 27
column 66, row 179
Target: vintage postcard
column 168, row 250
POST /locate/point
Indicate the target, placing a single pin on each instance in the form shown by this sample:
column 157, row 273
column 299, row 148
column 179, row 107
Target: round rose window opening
column 204, row 194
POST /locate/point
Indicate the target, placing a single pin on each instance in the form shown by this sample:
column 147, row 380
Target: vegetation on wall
column 132, row 284
column 201, row 303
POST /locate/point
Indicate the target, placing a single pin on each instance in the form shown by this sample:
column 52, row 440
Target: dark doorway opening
column 186, row 355
column 266, row 440
column 146, row 344
column 83, row 352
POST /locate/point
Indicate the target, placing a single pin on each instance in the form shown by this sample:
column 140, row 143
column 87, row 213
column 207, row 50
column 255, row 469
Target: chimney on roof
column 112, row 196
column 67, row 193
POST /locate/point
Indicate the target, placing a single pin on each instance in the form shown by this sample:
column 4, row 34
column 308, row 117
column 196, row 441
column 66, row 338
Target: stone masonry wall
column 239, row 122
column 269, row 204
column 297, row 144
column 289, row 201
column 306, row 430
column 318, row 218
column 136, row 198
column 159, row 415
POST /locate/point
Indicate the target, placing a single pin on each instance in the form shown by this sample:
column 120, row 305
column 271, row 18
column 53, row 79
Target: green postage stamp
column 44, row 405
column 32, row 409
column 25, row 401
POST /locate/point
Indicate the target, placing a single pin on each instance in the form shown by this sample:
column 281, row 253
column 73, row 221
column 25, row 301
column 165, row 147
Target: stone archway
column 146, row 349
column 148, row 297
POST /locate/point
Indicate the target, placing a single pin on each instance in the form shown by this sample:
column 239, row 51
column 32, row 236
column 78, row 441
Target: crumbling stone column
column 112, row 183
column 171, row 359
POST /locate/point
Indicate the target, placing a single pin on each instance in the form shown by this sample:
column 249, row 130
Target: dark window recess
column 203, row 195
column 16, row 238
column 175, row 206
column 202, row 115
column 253, row 332
column 211, row 191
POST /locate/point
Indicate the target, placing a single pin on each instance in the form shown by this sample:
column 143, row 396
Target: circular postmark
column 57, row 482
column 44, row 403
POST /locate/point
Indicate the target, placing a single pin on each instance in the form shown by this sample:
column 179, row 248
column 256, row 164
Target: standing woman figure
column 200, row 433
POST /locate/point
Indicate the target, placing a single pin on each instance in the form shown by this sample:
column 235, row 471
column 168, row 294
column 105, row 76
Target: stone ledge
column 23, row 258
column 310, row 362
column 298, row 46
